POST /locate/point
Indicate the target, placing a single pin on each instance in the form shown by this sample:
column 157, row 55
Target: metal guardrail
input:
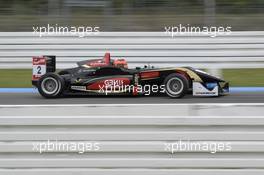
column 132, row 144
column 237, row 50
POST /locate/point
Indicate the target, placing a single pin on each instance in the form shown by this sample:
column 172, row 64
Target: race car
column 108, row 76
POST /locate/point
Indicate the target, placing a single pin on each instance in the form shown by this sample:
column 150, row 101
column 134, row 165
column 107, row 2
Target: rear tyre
column 51, row 85
column 176, row 85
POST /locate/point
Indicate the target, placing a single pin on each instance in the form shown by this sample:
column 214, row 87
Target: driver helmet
column 120, row 63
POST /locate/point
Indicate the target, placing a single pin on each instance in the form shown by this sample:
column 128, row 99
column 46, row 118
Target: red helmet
column 120, row 63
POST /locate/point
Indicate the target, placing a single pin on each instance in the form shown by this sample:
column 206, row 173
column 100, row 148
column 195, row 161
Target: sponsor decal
column 147, row 75
column 79, row 88
column 136, row 79
column 39, row 61
column 108, row 83
column 205, row 93
column 95, row 64
column 113, row 82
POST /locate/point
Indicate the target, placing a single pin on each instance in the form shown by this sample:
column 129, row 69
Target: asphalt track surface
column 35, row 99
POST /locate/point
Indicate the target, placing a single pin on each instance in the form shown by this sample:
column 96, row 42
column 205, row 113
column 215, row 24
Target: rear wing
column 42, row 65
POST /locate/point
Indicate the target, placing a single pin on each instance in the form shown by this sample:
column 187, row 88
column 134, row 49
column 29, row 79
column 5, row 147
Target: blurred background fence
column 131, row 15
column 237, row 50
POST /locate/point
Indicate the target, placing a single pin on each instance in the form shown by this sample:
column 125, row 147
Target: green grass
column 236, row 77
column 244, row 77
column 15, row 78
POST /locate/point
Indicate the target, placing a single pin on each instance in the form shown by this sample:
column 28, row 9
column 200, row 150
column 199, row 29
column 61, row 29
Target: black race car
column 112, row 77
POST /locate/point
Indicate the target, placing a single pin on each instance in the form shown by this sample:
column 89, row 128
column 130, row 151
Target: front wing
column 210, row 89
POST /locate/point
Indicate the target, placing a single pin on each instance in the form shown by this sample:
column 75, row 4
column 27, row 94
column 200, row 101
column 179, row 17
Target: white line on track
column 127, row 116
column 128, row 105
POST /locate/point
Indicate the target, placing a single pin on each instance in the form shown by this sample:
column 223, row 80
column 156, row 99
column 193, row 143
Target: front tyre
column 51, row 85
column 176, row 85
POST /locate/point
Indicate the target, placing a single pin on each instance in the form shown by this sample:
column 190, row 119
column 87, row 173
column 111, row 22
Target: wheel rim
column 174, row 86
column 50, row 85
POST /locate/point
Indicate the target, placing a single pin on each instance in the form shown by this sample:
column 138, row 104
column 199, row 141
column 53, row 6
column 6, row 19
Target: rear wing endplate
column 42, row 65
